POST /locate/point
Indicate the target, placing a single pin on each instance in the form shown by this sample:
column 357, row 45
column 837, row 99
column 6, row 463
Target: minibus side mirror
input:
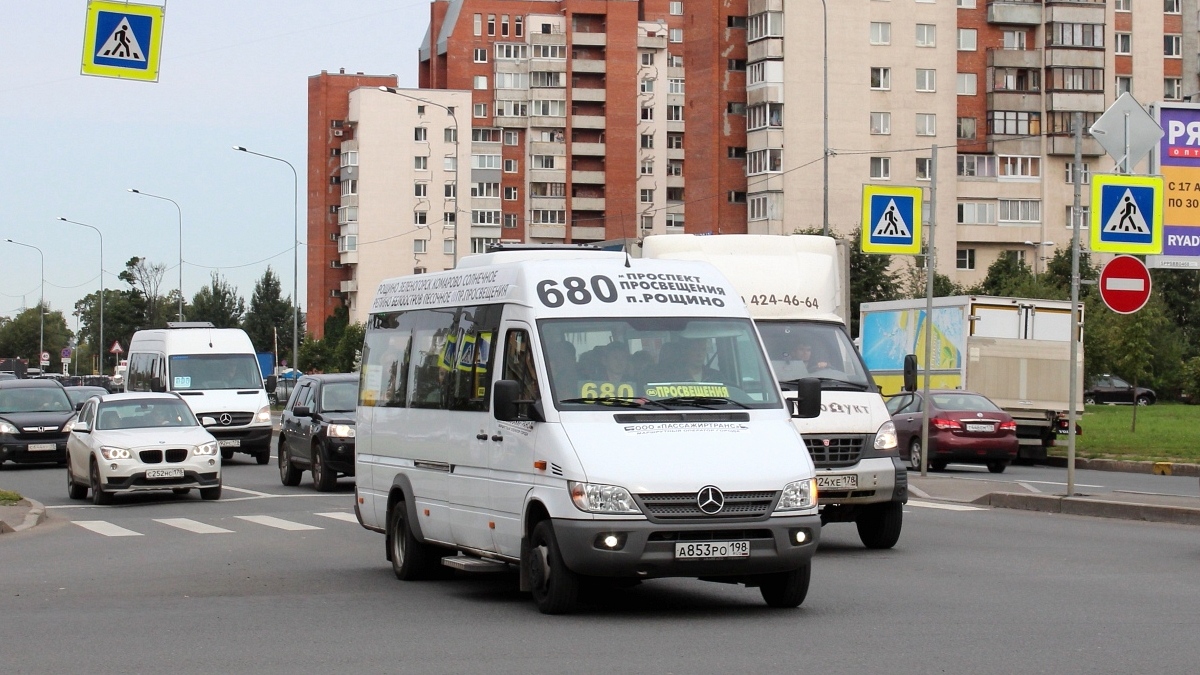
column 910, row 372
column 271, row 383
column 508, row 408
column 807, row 403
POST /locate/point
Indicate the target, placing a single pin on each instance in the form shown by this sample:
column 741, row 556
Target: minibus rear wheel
column 554, row 587
column 411, row 560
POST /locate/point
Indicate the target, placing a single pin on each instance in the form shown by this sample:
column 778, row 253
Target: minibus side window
column 519, row 365
column 137, row 378
column 434, row 351
column 474, row 338
column 385, row 356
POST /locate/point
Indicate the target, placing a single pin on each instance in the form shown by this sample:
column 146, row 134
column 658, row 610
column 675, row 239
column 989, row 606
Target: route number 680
column 575, row 290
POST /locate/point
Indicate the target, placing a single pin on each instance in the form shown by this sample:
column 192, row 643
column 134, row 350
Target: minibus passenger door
column 512, row 442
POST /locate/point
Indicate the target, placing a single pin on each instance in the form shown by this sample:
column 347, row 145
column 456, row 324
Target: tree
column 124, row 314
column 218, row 303
column 21, row 336
column 146, row 277
column 269, row 311
column 910, row 282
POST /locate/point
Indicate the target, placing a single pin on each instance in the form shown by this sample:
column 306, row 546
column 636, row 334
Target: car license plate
column 837, row 482
column 712, row 549
column 981, row 428
column 230, row 443
column 164, row 473
column 41, row 447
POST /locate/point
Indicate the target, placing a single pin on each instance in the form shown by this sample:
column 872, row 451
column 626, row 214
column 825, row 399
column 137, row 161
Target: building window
column 674, row 220
column 480, row 110
column 1076, row 79
column 510, row 166
column 647, row 86
column 348, row 243
column 491, row 25
column 764, row 25
column 736, row 65
column 675, row 167
column 450, row 190
column 521, row 80
column 491, row 190
column 419, row 245
column 518, row 52
column 1123, row 43
column 881, row 123
column 735, row 152
column 966, row 4
column 419, row 270
column 1123, row 5
column 485, row 217
column 926, row 79
column 1015, row 40
column 881, row 78
column 926, row 35
column 510, row 194
column 976, row 213
column 450, row 163
column 420, row 189
column 503, row 25
column 1173, row 46
column 1124, row 84
column 647, row 141
column 1173, row 89
column 647, row 58
column 510, row 221
column 485, row 135
column 647, row 223
column 1085, row 174
column 924, row 168
column 674, row 60
column 420, row 163
column 543, row 161
column 1083, row 216
column 926, row 124
column 881, row 33
column 1015, row 166
column 420, row 134
column 966, row 39
column 764, row 161
column 764, row 115
column 481, row 244
column 1020, row 211
column 549, row 217
column 647, row 114
column 675, row 85
column 647, row 196
column 519, row 26
column 548, row 189
column 881, row 168
column 676, row 35
column 676, row 8
column 674, row 194
column 556, row 52
column 966, row 259
column 1014, row 123
column 977, row 166
column 449, row 219
column 512, row 137
column 733, row 21
column 966, row 129
column 757, row 207
column 674, row 141
column 481, row 55
column 1075, row 35
column 647, row 167
column 448, row 246
column 1171, row 6
column 737, row 197
column 967, row 84
column 485, row 161
column 420, row 218
column 549, row 108
column 674, row 113
column 512, row 108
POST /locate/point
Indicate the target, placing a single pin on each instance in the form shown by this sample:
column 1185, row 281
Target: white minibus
column 579, row 414
column 216, row 371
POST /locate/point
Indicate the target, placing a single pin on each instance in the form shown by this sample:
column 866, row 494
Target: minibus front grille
column 236, row 419
column 676, row 418
column 709, row 535
column 668, row 506
column 829, row 451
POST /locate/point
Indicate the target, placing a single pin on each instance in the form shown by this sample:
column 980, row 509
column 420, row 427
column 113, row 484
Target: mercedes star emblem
column 710, row 500
column 226, row 419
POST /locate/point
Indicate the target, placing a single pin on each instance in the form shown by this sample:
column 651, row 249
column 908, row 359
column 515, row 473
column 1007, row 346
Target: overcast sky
column 234, row 72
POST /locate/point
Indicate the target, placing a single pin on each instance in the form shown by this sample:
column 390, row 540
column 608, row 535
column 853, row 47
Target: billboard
column 1177, row 160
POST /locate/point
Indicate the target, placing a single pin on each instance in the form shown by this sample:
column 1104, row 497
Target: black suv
column 317, row 430
column 33, row 414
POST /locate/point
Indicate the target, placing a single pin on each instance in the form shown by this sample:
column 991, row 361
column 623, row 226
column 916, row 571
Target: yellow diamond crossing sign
column 122, row 40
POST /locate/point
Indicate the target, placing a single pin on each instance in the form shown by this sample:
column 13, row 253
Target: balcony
column 593, row 95
column 587, row 121
column 1028, row 101
column 656, row 42
column 349, row 257
column 587, row 204
column 761, row 50
column 1015, row 58
column 1065, row 145
column 589, row 65
column 548, row 231
column 548, row 203
column 555, row 38
column 592, row 149
column 589, row 39
column 350, row 286
column 547, row 148
column 592, row 177
column 1075, row 100
column 1019, row 12
column 587, row 233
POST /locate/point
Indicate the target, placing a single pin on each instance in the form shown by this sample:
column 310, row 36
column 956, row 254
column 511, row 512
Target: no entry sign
column 1125, row 284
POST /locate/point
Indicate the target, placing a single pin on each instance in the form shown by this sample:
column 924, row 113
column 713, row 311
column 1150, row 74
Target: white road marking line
column 250, row 492
column 340, row 515
column 271, row 521
column 193, row 526
column 1022, row 483
column 106, row 528
column 1027, row 486
column 1050, row 482
column 944, row 507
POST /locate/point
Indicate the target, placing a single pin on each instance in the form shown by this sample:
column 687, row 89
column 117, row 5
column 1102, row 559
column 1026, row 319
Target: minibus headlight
column 885, row 438
column 341, row 431
column 595, row 498
column 798, row 495
column 264, row 414
column 114, row 453
column 209, row 448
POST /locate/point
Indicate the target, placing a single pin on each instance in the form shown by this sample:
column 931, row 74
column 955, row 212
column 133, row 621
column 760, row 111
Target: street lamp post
column 1037, row 253
column 100, row 341
column 180, row 212
column 295, row 254
column 825, row 119
column 42, row 301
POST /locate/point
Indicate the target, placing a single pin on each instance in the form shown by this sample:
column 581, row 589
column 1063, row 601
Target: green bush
column 1189, row 380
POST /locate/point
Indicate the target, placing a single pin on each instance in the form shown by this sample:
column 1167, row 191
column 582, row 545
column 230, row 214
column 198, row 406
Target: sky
column 233, row 72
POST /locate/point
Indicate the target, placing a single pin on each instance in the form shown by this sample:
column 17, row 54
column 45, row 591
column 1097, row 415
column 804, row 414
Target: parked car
column 316, row 431
column 1112, row 389
column 33, row 414
column 141, row 441
column 80, row 393
column 963, row 427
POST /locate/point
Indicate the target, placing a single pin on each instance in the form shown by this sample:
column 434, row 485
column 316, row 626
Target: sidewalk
column 21, row 516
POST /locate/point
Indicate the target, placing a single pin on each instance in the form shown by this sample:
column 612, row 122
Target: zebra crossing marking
column 193, row 526
column 340, row 515
column 944, row 507
column 106, row 528
column 278, row 523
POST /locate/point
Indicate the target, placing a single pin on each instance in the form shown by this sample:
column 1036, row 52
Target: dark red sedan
column 963, row 427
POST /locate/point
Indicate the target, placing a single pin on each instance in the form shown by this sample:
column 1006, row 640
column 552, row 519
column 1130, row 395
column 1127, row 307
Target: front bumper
column 17, row 450
column 878, row 479
column 649, row 548
column 339, row 454
column 137, row 481
column 250, row 439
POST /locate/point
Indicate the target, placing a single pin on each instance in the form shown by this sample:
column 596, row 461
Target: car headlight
column 66, row 427
column 263, row 415
column 341, row 431
column 6, row 428
column 798, row 495
column 108, row 452
column 209, row 448
column 595, row 498
column 885, row 438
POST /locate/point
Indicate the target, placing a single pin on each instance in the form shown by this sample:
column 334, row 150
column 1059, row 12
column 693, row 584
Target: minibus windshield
column 656, row 362
column 215, row 371
column 799, row 349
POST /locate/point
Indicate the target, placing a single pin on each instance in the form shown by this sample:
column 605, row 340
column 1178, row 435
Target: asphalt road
column 1053, row 480
column 967, row 590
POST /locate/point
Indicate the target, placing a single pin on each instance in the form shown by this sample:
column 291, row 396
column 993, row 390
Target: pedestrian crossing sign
column 1127, row 214
column 891, row 219
column 122, row 40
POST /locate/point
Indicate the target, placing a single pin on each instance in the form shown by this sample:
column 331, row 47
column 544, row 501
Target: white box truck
column 795, row 288
column 1015, row 351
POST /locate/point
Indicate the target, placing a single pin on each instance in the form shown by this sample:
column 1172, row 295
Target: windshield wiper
column 857, row 386
column 700, row 401
column 621, row 401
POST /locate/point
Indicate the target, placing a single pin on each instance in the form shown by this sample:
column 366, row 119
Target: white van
column 581, row 415
column 795, row 288
column 216, row 371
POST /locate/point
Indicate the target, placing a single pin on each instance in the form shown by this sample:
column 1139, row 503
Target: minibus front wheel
column 786, row 589
column 554, row 587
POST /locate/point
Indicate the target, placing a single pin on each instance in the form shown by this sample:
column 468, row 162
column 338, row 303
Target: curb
column 37, row 513
column 1158, row 468
column 1088, row 506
